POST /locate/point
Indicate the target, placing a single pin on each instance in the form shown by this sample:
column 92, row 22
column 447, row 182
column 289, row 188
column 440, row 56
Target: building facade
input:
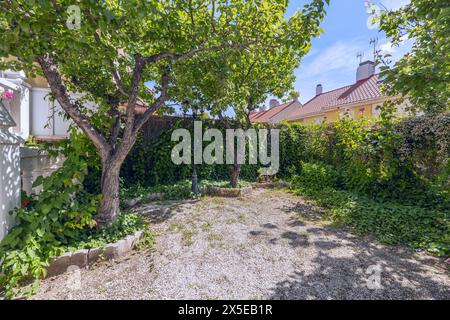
column 360, row 99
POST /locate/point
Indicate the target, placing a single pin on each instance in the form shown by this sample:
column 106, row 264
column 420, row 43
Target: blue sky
column 332, row 60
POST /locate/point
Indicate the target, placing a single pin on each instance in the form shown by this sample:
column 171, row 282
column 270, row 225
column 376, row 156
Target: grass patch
column 186, row 234
column 241, row 217
column 207, row 226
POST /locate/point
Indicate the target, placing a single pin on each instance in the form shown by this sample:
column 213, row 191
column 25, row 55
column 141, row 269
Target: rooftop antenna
column 360, row 56
column 374, row 42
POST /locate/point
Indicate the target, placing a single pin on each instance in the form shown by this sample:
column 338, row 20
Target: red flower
column 25, row 203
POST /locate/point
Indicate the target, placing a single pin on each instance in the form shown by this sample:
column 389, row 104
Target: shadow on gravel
column 355, row 277
column 295, row 239
column 305, row 210
column 158, row 212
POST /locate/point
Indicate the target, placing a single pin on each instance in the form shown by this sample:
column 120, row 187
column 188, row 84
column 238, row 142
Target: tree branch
column 50, row 69
column 165, row 79
column 223, row 120
column 115, row 130
column 117, row 81
column 180, row 56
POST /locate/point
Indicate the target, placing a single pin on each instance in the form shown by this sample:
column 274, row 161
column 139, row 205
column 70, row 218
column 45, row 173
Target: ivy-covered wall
column 150, row 164
column 406, row 160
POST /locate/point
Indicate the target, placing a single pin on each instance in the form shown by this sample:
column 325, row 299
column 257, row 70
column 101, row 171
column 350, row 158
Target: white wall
column 41, row 112
column 9, row 172
column 35, row 163
column 46, row 116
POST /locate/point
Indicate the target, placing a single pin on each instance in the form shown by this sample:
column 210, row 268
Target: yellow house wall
column 38, row 81
column 367, row 112
column 309, row 120
column 332, row 116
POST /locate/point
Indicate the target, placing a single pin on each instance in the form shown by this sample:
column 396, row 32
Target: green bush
column 316, row 176
column 405, row 161
column 60, row 218
column 388, row 222
column 150, row 165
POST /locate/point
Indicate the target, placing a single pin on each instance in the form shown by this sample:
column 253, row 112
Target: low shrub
column 316, row 175
column 26, row 252
column 388, row 222
column 59, row 219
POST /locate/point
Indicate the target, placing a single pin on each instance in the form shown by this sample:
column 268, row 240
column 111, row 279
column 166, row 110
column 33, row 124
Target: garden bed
column 85, row 257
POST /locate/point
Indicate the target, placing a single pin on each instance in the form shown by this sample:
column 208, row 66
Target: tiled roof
column 366, row 89
column 266, row 116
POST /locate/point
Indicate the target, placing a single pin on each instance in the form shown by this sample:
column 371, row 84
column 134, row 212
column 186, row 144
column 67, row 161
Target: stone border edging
column 227, row 192
column 271, row 185
column 85, row 257
column 129, row 203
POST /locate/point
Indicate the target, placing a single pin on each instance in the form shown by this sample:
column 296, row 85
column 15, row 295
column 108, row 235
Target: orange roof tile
column 266, row 116
column 362, row 90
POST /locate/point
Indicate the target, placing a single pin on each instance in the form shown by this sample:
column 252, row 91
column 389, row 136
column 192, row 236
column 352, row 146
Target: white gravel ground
column 270, row 245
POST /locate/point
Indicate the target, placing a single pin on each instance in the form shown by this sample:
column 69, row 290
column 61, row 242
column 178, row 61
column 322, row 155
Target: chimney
column 319, row 89
column 273, row 103
column 365, row 70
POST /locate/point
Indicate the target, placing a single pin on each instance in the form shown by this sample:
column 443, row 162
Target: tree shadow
column 295, row 239
column 355, row 278
column 158, row 212
column 304, row 210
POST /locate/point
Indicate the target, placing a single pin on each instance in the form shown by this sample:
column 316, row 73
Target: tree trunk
column 235, row 171
column 109, row 205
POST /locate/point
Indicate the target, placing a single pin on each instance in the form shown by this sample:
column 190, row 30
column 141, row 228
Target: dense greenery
column 406, row 161
column 388, row 222
column 150, row 165
column 61, row 218
column 423, row 75
column 388, row 179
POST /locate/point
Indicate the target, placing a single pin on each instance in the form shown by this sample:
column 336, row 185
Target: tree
column 243, row 80
column 258, row 74
column 106, row 50
column 423, row 75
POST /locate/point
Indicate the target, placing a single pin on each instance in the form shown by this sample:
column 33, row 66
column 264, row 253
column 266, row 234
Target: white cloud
column 336, row 57
column 397, row 52
column 336, row 65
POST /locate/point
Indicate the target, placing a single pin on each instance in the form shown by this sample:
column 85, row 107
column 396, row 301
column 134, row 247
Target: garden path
column 269, row 245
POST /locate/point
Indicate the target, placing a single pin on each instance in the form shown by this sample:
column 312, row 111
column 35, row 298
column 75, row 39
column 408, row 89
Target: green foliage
column 406, row 160
column 388, row 222
column 59, row 219
column 150, row 165
column 316, row 176
column 176, row 191
column 423, row 75
column 224, row 184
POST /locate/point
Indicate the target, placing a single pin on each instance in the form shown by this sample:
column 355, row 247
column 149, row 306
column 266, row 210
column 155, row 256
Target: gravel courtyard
column 270, row 245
